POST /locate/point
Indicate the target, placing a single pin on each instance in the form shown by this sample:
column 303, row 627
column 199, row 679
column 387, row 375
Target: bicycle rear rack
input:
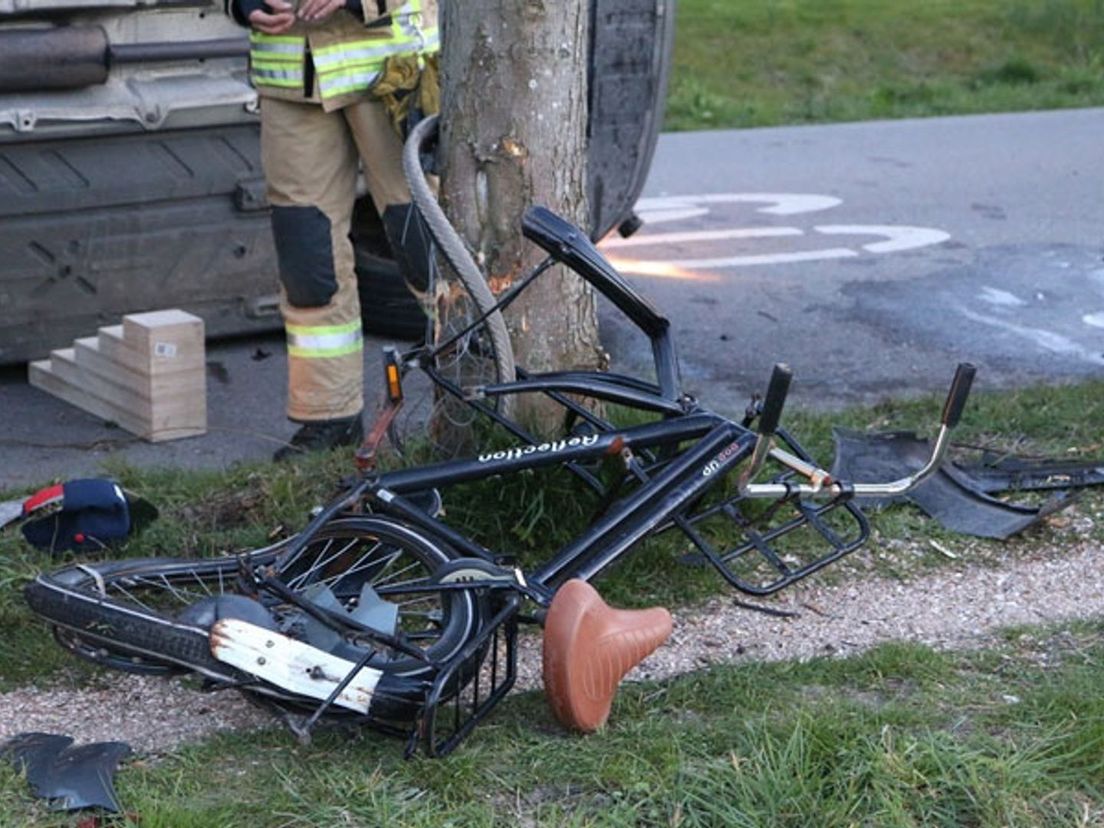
column 760, row 546
column 457, row 702
column 756, row 564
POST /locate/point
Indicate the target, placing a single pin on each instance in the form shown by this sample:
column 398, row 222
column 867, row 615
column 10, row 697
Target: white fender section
column 290, row 664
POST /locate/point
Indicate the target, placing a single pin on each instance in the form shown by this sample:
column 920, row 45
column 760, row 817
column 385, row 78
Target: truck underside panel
column 93, row 229
column 140, row 187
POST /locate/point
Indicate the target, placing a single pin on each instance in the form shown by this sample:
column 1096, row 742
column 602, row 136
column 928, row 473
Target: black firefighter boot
column 319, row 435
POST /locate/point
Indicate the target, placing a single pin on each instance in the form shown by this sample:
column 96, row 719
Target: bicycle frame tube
column 550, row 453
column 389, row 489
column 679, row 484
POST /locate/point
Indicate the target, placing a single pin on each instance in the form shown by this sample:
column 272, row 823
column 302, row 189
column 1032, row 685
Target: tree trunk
column 513, row 127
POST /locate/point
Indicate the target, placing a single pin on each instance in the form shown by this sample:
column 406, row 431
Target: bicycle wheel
column 154, row 615
column 468, row 344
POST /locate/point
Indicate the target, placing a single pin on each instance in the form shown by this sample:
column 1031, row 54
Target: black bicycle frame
column 718, row 445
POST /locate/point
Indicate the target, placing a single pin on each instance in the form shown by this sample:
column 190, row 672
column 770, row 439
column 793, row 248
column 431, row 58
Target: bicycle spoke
column 323, row 560
column 202, row 583
column 132, row 597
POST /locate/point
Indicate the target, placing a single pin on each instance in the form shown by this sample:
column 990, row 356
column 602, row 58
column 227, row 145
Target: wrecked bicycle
column 383, row 613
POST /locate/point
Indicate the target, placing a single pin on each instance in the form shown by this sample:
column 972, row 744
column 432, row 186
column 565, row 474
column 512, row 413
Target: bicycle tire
column 132, row 614
column 492, row 334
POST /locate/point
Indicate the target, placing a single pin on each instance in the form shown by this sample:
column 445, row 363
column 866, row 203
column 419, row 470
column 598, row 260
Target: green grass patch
column 740, row 63
column 533, row 515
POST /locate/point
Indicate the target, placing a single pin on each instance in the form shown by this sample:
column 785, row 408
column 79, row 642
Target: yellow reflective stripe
column 276, row 60
column 324, row 353
column 277, row 48
column 259, row 80
column 351, row 82
column 275, row 39
column 358, row 52
column 277, row 76
column 355, row 68
column 405, row 19
column 322, row 341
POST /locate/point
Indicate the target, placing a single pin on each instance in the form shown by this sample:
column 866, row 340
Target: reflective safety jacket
column 336, row 61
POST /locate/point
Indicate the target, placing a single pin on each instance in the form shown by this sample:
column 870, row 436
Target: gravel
column 960, row 606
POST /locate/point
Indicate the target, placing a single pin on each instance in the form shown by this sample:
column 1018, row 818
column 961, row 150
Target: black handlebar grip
column 776, row 398
column 960, row 391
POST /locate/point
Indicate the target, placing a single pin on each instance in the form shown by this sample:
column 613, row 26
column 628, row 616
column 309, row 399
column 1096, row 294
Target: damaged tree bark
column 513, row 122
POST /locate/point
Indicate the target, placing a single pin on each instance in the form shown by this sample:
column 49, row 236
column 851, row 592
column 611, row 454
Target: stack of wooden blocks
column 147, row 375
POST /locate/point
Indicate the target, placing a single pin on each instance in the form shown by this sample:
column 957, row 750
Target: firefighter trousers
column 310, row 160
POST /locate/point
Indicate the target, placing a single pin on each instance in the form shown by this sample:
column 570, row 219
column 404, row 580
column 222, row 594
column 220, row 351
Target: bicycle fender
column 292, row 665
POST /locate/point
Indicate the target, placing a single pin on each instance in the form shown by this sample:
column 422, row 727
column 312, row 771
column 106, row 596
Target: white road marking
column 1096, row 320
column 666, row 209
column 1047, row 340
column 659, row 215
column 669, row 208
column 897, row 237
column 1000, row 298
column 701, row 235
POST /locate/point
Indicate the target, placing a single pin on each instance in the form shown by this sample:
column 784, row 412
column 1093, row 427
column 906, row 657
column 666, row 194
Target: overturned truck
column 130, row 174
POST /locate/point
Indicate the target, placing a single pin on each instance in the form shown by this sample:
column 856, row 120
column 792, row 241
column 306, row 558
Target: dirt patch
column 961, row 607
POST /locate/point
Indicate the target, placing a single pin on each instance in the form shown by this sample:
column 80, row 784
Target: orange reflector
column 394, row 385
column 391, row 374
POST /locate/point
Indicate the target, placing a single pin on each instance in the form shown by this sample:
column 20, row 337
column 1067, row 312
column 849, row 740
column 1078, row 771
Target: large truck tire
column 387, row 307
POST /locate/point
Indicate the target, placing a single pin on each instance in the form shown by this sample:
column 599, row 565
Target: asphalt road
column 872, row 257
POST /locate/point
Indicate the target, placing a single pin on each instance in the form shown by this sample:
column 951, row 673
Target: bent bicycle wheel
column 155, row 615
column 467, row 342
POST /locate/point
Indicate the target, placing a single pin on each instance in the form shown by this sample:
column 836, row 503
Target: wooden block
column 147, row 374
column 91, row 358
column 171, row 340
column 41, row 375
column 111, row 344
column 184, row 407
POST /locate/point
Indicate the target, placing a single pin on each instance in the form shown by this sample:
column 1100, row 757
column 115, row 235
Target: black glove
column 241, row 9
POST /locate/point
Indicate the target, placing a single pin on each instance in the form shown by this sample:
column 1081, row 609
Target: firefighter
column 335, row 78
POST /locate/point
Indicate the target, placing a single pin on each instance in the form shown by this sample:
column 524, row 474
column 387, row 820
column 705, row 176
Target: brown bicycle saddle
column 588, row 649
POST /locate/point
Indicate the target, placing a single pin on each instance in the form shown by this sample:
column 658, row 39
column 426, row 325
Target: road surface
column 872, row 257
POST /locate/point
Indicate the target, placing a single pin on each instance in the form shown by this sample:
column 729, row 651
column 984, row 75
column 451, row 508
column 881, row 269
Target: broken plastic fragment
column 71, row 777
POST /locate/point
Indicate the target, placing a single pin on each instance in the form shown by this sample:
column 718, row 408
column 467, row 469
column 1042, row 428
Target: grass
column 205, row 513
column 901, row 736
column 748, row 63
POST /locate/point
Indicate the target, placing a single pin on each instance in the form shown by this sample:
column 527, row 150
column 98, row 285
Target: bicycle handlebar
column 773, row 403
column 956, row 397
column 822, row 484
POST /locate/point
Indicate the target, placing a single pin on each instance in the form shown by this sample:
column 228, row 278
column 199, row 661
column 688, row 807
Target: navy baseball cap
column 82, row 514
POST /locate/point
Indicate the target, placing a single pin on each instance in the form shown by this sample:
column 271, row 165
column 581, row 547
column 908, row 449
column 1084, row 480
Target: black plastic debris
column 70, row 777
column 952, row 496
column 1008, row 473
